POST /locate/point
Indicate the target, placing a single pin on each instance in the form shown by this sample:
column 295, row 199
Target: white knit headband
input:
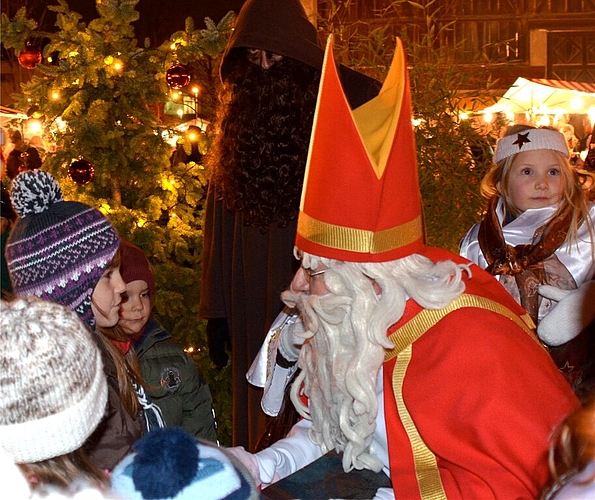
column 531, row 139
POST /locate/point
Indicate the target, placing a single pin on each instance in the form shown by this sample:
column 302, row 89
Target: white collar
column 532, row 217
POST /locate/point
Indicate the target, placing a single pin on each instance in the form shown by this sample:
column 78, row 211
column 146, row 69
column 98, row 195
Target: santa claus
column 414, row 362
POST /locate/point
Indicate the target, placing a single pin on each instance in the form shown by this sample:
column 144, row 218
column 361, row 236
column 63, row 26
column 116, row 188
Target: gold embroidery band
column 426, row 466
column 427, row 318
column 359, row 240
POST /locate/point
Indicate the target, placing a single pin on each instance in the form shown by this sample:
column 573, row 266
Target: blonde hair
column 573, row 141
column 574, row 194
column 127, row 368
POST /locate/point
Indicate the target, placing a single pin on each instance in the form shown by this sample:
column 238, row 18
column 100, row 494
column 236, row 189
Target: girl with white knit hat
column 54, row 394
column 537, row 238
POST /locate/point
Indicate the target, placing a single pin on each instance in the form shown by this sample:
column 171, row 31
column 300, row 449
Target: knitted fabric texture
column 54, row 391
column 134, row 266
column 531, row 139
column 171, row 464
column 57, row 250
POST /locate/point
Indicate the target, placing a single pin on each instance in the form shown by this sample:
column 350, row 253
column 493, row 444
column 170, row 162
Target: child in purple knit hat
column 68, row 252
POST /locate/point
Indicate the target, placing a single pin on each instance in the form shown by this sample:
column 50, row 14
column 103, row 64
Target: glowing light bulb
column 576, row 104
column 34, row 127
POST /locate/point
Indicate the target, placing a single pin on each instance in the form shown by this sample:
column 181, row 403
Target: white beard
column 345, row 346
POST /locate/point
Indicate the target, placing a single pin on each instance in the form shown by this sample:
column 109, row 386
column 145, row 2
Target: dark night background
column 158, row 18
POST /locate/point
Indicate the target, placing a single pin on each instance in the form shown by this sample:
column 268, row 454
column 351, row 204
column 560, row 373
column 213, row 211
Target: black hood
column 282, row 27
column 279, row 26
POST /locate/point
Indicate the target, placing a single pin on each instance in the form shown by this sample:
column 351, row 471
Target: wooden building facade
column 552, row 39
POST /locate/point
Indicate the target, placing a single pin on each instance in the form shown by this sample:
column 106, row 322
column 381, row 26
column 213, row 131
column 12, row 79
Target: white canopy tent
column 538, row 96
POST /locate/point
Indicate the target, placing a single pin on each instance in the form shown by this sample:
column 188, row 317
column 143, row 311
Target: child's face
column 135, row 309
column 535, row 180
column 106, row 298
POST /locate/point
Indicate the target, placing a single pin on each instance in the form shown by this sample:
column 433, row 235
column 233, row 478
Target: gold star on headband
column 522, row 139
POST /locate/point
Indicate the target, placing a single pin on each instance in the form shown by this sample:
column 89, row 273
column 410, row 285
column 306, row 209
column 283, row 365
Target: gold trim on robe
column 426, row 467
column 427, row 318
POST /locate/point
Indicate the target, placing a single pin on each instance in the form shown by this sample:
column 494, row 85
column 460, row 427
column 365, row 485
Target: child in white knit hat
column 54, row 393
column 537, row 238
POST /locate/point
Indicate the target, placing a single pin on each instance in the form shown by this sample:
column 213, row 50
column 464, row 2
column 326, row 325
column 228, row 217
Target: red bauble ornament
column 81, row 171
column 30, row 58
column 177, row 76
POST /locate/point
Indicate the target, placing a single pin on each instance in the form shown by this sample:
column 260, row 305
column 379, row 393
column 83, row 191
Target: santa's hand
column 291, row 339
column 574, row 311
column 248, row 460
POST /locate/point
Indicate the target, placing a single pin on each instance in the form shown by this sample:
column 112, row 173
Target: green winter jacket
column 175, row 384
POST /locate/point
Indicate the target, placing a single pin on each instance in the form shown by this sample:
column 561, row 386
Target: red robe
column 473, row 402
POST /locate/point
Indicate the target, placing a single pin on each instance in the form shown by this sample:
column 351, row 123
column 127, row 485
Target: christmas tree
column 100, row 98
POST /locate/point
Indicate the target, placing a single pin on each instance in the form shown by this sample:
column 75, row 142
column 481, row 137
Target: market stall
column 545, row 101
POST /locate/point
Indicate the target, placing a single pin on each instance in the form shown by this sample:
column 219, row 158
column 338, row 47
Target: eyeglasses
column 310, row 273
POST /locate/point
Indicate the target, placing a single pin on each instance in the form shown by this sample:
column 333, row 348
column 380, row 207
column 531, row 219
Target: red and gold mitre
column 361, row 200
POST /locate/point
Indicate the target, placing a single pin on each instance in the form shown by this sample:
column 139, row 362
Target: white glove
column 574, row 311
column 288, row 454
column 264, row 363
column 291, row 339
column 288, row 345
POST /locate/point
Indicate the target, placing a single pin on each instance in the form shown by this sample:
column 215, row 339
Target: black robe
column 244, row 270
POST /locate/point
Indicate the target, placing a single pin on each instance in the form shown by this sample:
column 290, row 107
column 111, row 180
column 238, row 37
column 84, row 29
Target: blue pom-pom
column 166, row 462
column 33, row 192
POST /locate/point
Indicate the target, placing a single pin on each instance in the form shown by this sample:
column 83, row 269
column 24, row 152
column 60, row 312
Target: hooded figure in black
column 270, row 73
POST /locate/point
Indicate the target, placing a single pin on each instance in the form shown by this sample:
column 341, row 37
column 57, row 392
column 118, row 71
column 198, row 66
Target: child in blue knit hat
column 170, row 464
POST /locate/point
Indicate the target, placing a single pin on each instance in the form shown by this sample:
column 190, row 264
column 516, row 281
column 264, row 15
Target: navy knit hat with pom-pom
column 170, row 464
column 57, row 249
